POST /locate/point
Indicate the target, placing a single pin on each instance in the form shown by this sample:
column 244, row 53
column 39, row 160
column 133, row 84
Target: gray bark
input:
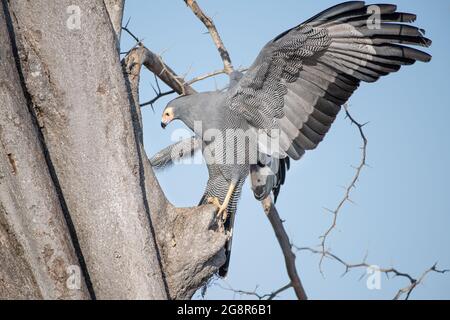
column 76, row 187
column 35, row 247
column 78, row 92
column 115, row 10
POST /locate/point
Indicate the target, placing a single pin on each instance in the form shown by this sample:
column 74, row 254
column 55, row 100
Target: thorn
column 128, row 21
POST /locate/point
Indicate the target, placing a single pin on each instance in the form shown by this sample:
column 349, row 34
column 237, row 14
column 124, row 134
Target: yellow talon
column 222, row 209
column 215, row 201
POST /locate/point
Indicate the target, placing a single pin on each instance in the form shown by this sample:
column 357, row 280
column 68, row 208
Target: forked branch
column 405, row 291
column 349, row 188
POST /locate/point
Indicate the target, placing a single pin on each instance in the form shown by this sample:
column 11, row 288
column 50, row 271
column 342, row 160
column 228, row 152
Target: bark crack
column 16, row 43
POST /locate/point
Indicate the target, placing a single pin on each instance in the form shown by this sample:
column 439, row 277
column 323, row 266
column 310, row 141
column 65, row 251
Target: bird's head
column 167, row 117
column 172, row 111
column 191, row 108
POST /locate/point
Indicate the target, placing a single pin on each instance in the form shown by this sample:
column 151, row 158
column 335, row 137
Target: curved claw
column 215, row 201
column 222, row 208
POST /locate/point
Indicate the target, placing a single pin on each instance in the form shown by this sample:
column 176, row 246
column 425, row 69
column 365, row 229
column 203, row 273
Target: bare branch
column 283, row 240
column 154, row 63
column 131, row 34
column 159, row 94
column 254, row 293
column 210, row 75
column 413, row 282
column 205, row 76
column 209, row 24
column 349, row 188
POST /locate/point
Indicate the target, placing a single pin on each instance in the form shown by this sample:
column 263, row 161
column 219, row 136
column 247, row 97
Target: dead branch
column 210, row 75
column 409, row 289
column 349, row 188
column 158, row 94
column 155, row 64
column 254, row 293
column 209, row 24
column 413, row 282
column 205, row 76
column 283, row 240
column 131, row 34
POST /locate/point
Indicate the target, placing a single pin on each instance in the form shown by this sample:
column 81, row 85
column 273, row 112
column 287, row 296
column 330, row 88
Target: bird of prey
column 287, row 100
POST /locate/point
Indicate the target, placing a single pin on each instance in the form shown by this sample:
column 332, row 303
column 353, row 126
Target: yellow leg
column 224, row 206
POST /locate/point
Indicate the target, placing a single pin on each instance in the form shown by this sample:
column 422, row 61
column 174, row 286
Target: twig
column 278, row 291
column 388, row 271
column 209, row 24
column 254, row 293
column 283, row 240
column 349, row 188
column 414, row 283
column 130, row 33
column 205, row 76
column 159, row 94
column 210, row 74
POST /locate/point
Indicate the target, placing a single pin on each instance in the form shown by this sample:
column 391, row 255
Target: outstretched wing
column 300, row 80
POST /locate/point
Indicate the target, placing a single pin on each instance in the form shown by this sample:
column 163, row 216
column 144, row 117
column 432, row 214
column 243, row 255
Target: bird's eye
column 167, row 114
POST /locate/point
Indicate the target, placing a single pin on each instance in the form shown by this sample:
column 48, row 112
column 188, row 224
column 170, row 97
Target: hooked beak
column 167, row 117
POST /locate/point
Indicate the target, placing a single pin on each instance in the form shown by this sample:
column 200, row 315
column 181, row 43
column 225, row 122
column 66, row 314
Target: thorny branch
column 349, row 188
column 254, row 293
column 286, row 247
column 211, row 74
column 206, row 76
column 159, row 94
column 413, row 282
column 209, row 24
column 157, row 66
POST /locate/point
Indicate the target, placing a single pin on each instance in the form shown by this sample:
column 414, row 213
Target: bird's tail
column 229, row 222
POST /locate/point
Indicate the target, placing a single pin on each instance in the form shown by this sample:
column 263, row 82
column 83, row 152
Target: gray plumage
column 296, row 87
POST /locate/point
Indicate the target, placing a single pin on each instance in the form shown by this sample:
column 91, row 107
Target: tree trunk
column 76, row 187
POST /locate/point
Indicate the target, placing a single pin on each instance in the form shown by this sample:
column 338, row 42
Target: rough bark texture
column 35, row 247
column 78, row 93
column 115, row 10
column 76, row 187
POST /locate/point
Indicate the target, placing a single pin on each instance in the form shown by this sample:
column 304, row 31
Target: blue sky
column 401, row 210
